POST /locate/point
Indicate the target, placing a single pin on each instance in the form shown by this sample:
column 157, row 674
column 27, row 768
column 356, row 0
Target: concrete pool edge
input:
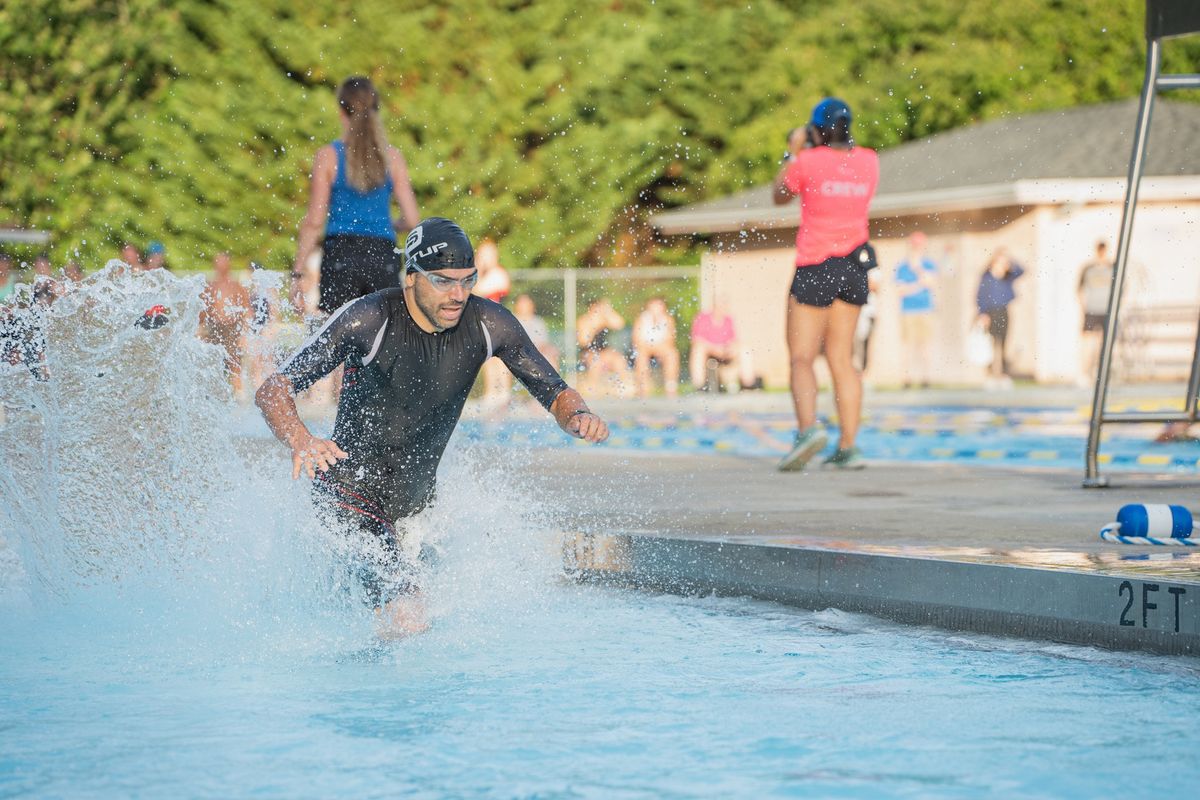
column 1119, row 612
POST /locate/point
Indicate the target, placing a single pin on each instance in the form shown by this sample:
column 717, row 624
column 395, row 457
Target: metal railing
column 1164, row 19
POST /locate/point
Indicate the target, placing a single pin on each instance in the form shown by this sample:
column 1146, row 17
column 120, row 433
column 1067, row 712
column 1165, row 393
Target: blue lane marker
column 995, row 437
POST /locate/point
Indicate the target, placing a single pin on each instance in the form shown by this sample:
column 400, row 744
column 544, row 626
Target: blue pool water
column 996, row 437
column 173, row 623
column 563, row 691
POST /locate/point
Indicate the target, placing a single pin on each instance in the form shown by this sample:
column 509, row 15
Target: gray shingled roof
column 1068, row 144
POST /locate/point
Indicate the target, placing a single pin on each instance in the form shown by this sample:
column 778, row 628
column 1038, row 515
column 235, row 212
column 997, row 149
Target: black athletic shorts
column 382, row 568
column 354, row 266
column 1094, row 322
column 838, row 277
column 998, row 322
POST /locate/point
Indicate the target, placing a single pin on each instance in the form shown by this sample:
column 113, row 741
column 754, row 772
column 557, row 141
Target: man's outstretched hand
column 313, row 454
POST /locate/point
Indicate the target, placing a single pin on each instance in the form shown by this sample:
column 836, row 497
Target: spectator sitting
column 494, row 284
column 526, row 313
column 654, row 337
column 714, row 339
column 596, row 354
column 156, row 256
column 131, row 256
column 223, row 320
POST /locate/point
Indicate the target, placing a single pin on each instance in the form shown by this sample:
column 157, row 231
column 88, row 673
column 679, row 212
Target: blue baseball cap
column 155, row 247
column 829, row 111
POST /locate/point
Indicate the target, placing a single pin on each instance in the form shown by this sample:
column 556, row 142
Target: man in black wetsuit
column 411, row 355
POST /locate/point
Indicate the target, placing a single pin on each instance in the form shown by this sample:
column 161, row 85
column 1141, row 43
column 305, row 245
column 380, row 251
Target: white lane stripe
column 378, row 341
column 487, row 337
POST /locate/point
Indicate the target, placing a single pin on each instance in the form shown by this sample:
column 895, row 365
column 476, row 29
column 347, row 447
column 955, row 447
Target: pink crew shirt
column 835, row 189
column 706, row 328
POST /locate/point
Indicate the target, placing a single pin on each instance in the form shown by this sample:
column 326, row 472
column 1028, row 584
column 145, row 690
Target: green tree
column 555, row 126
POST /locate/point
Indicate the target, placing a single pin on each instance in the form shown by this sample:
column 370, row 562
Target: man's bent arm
column 309, row 454
column 274, row 399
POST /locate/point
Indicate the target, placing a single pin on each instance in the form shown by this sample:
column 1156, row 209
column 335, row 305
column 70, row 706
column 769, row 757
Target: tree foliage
column 554, row 125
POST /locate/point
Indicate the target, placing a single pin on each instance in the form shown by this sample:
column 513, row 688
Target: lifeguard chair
column 1164, row 19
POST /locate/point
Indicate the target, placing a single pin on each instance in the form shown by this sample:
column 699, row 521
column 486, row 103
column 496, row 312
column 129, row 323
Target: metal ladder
column 1164, row 19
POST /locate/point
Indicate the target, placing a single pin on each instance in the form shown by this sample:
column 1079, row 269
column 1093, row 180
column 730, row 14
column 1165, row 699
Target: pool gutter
column 1120, row 612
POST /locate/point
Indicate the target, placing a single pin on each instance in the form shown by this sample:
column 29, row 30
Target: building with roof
column 1045, row 186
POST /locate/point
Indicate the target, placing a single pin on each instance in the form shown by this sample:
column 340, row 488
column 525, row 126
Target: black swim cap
column 437, row 243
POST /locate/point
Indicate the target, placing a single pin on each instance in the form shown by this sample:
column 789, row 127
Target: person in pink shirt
column 835, row 181
column 714, row 337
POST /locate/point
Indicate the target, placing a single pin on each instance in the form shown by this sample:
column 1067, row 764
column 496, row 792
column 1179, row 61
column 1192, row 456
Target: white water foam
column 128, row 504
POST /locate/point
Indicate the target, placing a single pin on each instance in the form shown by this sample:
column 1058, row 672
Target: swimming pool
column 173, row 624
column 562, row 691
column 996, row 437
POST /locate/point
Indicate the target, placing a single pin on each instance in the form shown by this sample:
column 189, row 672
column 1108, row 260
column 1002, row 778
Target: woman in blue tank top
column 353, row 182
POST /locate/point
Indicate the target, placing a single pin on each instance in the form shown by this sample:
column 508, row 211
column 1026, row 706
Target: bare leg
column 697, row 361
column 997, row 367
column 805, row 330
column 745, row 364
column 641, row 372
column 1091, row 342
column 402, row 617
column 669, row 358
column 847, row 381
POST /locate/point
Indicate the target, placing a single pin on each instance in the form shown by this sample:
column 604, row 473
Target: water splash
column 129, row 502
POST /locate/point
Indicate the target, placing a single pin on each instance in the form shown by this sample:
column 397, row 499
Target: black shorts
column 998, row 322
column 382, row 568
column 838, row 277
column 353, row 266
column 1094, row 322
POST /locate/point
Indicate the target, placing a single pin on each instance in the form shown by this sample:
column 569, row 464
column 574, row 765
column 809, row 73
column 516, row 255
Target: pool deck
column 1004, row 551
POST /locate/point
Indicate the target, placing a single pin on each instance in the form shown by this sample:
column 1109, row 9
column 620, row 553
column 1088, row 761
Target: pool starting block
column 1153, row 524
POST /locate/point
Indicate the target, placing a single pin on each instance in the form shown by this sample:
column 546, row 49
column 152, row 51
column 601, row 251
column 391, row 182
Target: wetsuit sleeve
column 351, row 334
column 513, row 346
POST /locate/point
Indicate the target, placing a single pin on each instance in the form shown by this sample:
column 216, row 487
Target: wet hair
column 366, row 143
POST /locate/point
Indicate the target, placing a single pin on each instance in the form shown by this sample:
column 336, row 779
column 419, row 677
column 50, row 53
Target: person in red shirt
column 835, row 181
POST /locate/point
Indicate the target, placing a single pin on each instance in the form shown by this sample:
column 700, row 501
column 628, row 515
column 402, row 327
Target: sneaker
column 808, row 444
column 847, row 458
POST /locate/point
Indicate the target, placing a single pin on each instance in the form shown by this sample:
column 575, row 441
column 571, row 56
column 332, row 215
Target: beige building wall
column 1051, row 242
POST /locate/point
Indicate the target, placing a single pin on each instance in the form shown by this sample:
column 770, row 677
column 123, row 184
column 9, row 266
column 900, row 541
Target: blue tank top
column 355, row 212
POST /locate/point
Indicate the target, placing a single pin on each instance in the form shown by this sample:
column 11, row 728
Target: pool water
column 174, row 623
column 1016, row 437
column 558, row 690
